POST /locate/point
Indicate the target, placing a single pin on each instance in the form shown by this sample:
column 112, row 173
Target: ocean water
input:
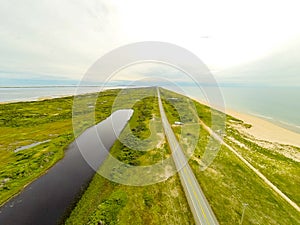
column 9, row 94
column 280, row 105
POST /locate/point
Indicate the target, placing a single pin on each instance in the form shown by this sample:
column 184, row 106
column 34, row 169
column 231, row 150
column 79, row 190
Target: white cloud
column 239, row 30
column 64, row 38
column 56, row 37
column 148, row 70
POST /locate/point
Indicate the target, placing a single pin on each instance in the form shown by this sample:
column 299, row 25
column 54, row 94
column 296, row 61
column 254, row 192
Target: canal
column 49, row 199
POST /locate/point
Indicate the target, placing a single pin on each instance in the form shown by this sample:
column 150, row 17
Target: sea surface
column 280, row 105
column 13, row 94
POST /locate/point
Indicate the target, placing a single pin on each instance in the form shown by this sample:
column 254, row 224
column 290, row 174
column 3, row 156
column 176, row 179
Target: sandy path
column 256, row 171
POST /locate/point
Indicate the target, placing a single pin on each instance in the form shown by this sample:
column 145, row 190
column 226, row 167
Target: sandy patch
column 174, row 193
column 265, row 130
column 161, row 140
column 168, row 172
column 242, row 145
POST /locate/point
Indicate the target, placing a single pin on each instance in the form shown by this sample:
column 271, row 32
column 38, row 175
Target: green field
column 25, row 123
column 113, row 203
column 283, row 171
column 229, row 185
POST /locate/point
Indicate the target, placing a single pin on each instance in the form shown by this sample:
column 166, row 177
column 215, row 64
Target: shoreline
column 54, row 96
column 263, row 129
column 36, row 99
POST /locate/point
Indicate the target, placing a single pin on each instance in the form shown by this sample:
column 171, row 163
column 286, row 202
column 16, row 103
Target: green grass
column 25, row 123
column 279, row 169
column 228, row 182
column 113, row 203
column 162, row 203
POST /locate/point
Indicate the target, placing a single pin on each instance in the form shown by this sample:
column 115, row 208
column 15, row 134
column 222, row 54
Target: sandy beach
column 262, row 129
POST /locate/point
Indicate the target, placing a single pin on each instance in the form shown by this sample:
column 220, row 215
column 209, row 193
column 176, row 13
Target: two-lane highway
column 199, row 206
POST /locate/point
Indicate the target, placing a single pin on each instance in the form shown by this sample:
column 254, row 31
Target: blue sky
column 240, row 41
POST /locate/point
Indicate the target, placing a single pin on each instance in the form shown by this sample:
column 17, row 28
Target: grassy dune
column 228, row 183
column 283, row 171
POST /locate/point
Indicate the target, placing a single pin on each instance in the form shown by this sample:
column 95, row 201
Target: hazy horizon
column 242, row 43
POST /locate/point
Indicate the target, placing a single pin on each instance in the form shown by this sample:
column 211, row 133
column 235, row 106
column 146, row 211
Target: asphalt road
column 199, row 206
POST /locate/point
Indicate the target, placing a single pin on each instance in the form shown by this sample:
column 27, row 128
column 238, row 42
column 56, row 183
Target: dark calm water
column 49, row 199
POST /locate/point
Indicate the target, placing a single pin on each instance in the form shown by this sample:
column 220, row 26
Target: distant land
column 272, row 103
column 21, row 82
column 54, row 82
